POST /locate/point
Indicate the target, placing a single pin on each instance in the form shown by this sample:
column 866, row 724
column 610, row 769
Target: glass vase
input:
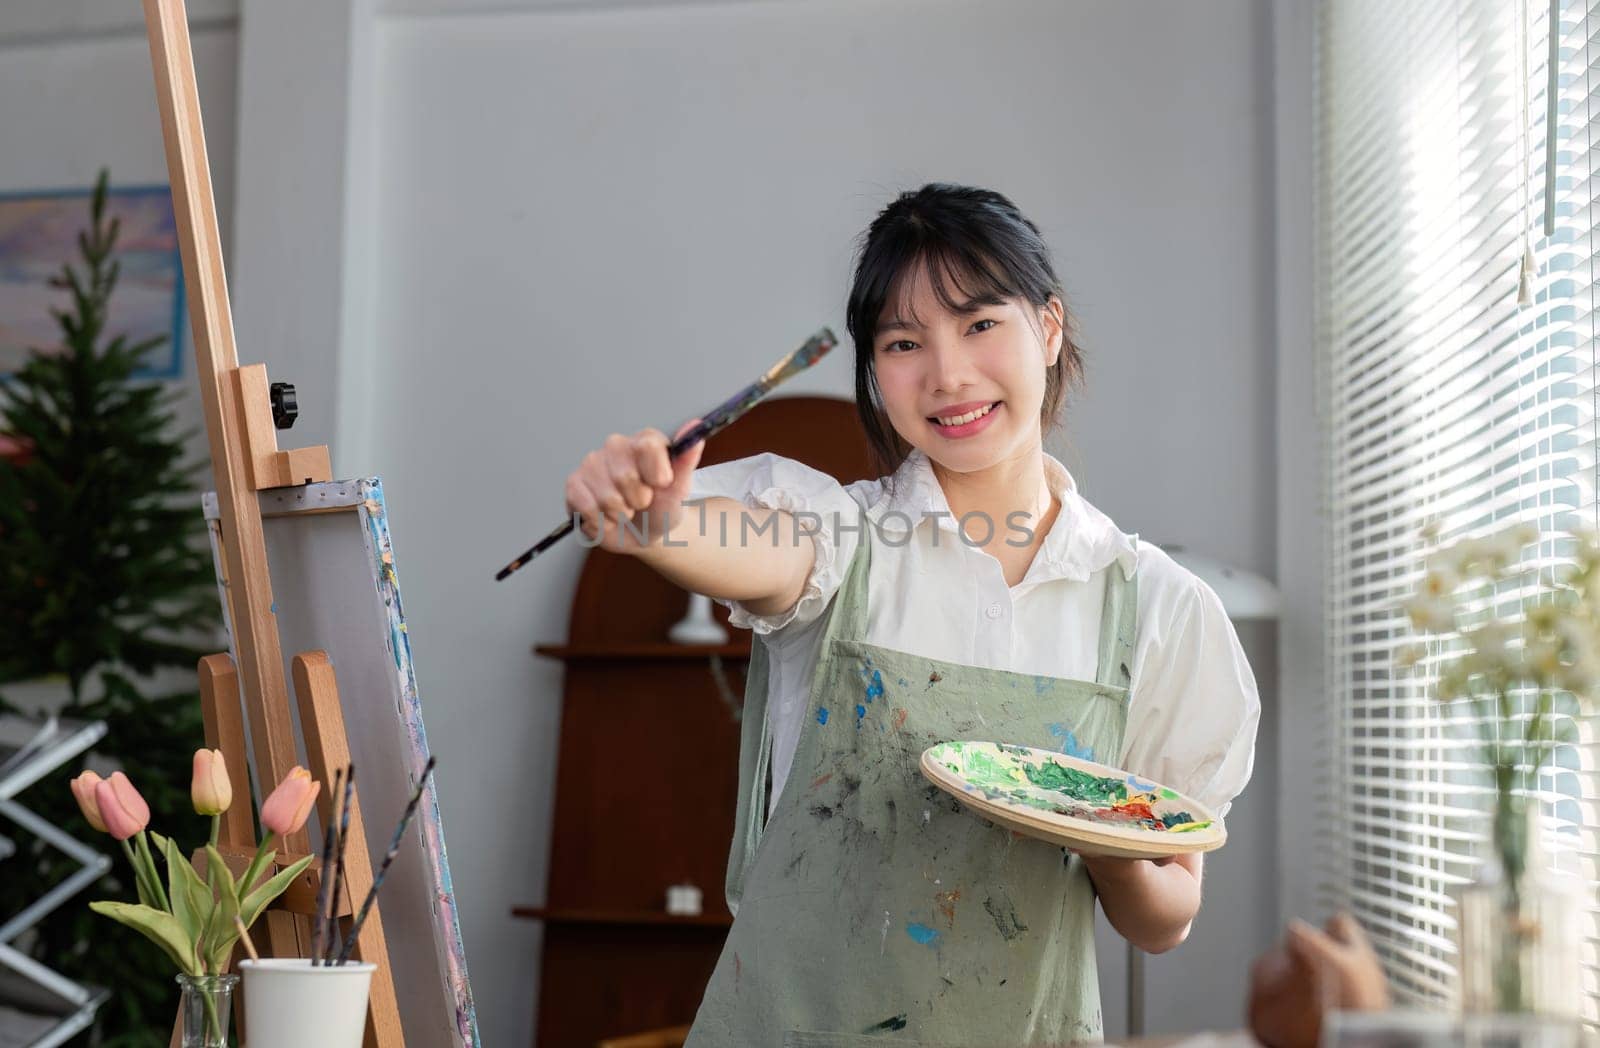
column 207, row 1008
column 1519, row 943
column 1499, row 939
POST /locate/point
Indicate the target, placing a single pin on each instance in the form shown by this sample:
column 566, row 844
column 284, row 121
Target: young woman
column 972, row 593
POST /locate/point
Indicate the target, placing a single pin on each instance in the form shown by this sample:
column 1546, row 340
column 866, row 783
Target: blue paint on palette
column 822, row 714
column 875, row 688
column 861, row 711
column 1142, row 787
column 922, row 934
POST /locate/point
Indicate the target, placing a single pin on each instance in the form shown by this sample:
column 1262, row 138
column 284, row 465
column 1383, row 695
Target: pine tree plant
column 105, row 579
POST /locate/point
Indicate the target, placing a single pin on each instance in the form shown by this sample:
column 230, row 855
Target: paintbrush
column 383, row 871
column 244, row 937
column 319, row 924
column 338, row 876
column 714, row 421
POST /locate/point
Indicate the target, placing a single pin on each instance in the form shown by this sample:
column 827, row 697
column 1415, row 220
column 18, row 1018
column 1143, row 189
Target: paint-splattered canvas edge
column 375, row 517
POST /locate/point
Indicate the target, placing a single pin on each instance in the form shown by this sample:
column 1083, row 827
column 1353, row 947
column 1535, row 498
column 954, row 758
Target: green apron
column 874, row 906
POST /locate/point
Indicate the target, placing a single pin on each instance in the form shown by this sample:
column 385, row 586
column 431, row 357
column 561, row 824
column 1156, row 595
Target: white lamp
column 1244, row 594
column 698, row 627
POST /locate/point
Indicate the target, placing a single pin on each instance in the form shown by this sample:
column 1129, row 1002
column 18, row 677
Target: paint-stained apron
column 872, row 906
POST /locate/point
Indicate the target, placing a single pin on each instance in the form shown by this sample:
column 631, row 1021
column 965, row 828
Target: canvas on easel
column 335, row 589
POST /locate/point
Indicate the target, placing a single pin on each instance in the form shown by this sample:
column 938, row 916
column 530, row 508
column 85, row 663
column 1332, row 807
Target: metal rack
column 39, row 1007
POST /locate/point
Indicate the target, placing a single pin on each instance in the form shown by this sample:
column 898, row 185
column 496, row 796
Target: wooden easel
column 246, row 459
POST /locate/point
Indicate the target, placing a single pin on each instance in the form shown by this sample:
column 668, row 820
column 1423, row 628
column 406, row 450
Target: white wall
column 545, row 221
column 596, row 219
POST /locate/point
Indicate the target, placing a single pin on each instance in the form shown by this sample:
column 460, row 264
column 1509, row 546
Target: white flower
column 1489, row 643
column 1465, row 558
column 1506, row 546
column 1431, row 615
column 1544, row 660
column 1588, row 543
column 1408, row 655
column 1440, row 581
column 1543, row 618
column 1452, row 683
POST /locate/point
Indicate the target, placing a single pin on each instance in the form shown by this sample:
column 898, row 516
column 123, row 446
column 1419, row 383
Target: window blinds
column 1443, row 398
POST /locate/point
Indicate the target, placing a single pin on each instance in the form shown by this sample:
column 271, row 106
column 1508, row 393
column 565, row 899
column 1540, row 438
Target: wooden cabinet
column 648, row 771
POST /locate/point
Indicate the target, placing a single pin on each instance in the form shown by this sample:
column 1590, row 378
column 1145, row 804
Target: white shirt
column 1193, row 707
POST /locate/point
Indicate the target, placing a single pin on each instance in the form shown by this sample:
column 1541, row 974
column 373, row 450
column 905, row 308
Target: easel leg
column 327, row 748
column 223, row 717
column 224, row 725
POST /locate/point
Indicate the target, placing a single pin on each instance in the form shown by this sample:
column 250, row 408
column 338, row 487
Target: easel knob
column 285, row 409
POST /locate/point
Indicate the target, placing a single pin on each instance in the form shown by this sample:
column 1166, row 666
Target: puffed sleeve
column 1193, row 710
column 819, row 503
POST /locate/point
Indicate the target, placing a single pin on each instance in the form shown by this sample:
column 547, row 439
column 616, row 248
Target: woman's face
column 964, row 387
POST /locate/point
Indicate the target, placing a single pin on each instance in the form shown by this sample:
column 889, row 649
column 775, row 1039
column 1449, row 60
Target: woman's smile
column 965, row 420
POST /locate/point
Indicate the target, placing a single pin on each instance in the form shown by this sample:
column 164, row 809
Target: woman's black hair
column 974, row 239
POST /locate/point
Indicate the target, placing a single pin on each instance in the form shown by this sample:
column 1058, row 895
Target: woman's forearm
column 729, row 551
column 1149, row 903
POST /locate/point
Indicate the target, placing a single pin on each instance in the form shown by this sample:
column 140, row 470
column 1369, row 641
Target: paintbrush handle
column 703, row 429
column 338, row 876
column 319, row 924
column 383, row 870
column 719, row 418
column 710, row 424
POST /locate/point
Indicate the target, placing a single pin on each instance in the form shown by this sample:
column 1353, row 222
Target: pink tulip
column 125, row 813
column 211, row 790
column 288, row 806
column 83, row 791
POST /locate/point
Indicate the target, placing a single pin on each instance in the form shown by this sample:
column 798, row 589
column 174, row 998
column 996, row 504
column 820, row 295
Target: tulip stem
column 216, row 828
column 140, row 881
column 256, row 863
column 150, row 866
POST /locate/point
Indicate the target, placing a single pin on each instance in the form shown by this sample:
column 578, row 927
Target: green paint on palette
column 989, row 772
column 996, row 772
column 1078, row 785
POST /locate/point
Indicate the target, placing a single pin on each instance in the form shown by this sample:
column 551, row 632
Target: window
column 1444, row 398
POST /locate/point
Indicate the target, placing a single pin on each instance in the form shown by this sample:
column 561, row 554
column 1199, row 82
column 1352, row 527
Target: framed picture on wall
column 39, row 233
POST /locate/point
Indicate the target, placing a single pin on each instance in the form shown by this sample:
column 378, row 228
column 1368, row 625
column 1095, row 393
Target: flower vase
column 207, row 1008
column 1519, row 950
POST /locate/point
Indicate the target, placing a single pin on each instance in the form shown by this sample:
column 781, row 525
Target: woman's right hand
column 628, row 493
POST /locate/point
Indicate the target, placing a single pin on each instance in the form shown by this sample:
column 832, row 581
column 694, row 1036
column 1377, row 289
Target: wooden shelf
column 612, row 958
column 562, row 915
column 641, row 651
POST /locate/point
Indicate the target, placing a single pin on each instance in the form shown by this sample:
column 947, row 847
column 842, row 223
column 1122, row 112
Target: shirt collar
column 1080, row 542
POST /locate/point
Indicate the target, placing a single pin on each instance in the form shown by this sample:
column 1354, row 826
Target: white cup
column 290, row 1004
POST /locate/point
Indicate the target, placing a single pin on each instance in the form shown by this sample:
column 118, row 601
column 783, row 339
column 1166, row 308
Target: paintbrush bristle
column 815, row 349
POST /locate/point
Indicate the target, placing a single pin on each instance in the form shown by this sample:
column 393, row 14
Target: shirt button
column 993, row 611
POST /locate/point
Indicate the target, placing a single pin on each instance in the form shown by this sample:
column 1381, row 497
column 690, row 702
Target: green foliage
column 105, row 578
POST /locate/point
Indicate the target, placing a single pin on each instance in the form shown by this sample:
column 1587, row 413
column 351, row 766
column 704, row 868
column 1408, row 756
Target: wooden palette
column 1091, row 808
